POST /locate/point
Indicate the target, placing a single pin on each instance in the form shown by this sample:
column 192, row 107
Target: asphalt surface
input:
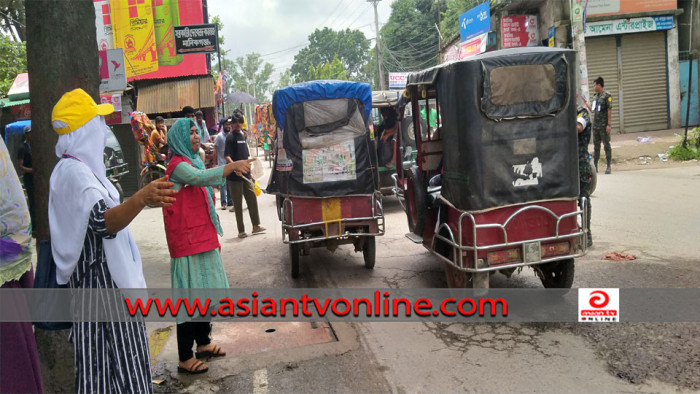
column 649, row 213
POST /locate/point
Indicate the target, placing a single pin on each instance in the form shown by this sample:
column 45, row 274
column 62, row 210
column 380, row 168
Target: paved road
column 649, row 213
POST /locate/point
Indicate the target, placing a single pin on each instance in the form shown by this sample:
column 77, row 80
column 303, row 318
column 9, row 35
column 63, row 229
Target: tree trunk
column 61, row 56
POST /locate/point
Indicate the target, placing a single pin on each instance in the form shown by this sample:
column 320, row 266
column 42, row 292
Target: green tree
column 12, row 19
column 450, row 16
column 250, row 74
column 13, row 61
column 329, row 70
column 285, row 79
column 409, row 38
column 220, row 26
column 350, row 46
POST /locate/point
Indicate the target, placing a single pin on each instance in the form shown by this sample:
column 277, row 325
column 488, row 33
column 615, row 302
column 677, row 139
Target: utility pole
column 438, row 29
column 380, row 62
column 578, row 8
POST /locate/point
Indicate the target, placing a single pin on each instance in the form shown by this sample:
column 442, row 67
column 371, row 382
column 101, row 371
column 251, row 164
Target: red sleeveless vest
column 188, row 226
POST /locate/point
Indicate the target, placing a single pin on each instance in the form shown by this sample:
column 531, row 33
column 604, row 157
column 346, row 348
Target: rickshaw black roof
column 430, row 75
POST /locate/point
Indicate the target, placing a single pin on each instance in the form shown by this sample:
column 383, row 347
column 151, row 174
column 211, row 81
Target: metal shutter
column 644, row 82
column 601, row 57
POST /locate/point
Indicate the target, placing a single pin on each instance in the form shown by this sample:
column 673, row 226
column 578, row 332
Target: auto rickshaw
column 325, row 174
column 495, row 186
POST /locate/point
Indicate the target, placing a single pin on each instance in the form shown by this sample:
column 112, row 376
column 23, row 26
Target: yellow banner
column 132, row 23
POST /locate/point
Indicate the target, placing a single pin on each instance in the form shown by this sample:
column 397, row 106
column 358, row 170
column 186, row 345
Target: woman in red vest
column 192, row 229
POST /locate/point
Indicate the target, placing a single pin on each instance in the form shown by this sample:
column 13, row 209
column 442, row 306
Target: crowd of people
column 99, row 251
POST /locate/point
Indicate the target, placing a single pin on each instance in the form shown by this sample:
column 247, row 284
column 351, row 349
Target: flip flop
column 215, row 352
column 260, row 229
column 194, row 369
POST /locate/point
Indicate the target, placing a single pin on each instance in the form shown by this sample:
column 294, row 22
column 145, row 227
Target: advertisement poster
column 475, row 22
column 103, row 24
column 613, row 7
column 132, row 22
column 116, row 101
column 163, row 15
column 474, row 46
column 166, row 15
column 330, row 164
column 519, row 31
column 112, row 70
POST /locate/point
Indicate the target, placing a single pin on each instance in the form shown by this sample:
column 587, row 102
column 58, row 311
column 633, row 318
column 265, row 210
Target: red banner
column 519, row 31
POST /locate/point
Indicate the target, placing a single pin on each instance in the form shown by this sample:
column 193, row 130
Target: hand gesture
column 159, row 193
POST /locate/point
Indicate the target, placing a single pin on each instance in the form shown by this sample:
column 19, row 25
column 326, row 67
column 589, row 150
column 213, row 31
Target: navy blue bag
column 45, row 278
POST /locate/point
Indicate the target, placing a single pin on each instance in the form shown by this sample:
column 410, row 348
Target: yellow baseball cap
column 74, row 110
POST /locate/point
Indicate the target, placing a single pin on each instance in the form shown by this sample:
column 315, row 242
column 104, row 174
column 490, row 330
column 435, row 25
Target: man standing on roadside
column 602, row 122
column 241, row 185
column 220, row 153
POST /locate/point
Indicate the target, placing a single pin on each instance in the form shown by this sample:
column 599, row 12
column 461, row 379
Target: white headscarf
column 78, row 182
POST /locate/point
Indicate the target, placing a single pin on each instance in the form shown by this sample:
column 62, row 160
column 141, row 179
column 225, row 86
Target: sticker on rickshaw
column 330, row 164
column 527, row 174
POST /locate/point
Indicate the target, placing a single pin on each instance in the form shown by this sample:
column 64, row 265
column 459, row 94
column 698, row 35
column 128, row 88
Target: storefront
column 632, row 56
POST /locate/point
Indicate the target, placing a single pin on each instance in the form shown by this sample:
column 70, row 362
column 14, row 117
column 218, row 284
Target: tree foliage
column 250, row 74
column 450, row 16
column 13, row 61
column 12, row 19
column 220, row 26
column 349, row 46
column 328, row 70
column 409, row 38
column 285, row 79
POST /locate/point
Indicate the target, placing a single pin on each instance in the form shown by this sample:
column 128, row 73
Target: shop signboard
column 397, row 80
column 632, row 25
column 196, row 39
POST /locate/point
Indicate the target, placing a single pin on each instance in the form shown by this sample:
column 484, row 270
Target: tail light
column 504, row 256
column 557, row 249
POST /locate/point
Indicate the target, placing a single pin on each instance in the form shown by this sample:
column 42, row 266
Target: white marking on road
column 260, row 382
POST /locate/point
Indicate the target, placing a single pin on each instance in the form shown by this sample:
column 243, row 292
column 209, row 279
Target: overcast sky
column 278, row 29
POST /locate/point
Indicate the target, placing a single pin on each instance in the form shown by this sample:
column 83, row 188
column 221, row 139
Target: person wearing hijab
column 192, row 229
column 19, row 359
column 93, row 247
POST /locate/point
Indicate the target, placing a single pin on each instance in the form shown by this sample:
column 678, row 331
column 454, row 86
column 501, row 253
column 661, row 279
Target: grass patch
column 690, row 151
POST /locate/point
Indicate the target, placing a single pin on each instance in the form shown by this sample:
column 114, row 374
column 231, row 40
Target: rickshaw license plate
column 532, row 252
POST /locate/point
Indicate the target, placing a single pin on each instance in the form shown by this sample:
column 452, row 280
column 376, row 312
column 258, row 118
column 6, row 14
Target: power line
column 362, row 13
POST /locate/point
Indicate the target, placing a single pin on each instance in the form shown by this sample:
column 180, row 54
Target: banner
column 196, row 39
column 166, row 15
column 116, row 101
column 475, row 21
column 519, row 31
column 132, row 21
column 613, row 7
column 103, row 24
column 474, row 46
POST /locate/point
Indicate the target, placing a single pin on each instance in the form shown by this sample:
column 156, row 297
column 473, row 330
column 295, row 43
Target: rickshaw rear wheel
column 556, row 275
column 369, row 252
column 294, row 254
column 415, row 201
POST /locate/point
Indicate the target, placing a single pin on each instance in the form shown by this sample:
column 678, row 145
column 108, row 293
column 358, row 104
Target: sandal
column 242, row 235
column 195, row 369
column 215, row 351
column 259, row 229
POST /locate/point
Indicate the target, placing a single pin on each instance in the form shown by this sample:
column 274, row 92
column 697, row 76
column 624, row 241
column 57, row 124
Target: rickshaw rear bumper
column 473, row 258
column 338, row 229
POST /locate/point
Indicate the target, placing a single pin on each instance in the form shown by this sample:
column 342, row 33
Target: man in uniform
column 583, row 123
column 602, row 122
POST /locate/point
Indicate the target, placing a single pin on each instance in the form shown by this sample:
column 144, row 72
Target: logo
column 599, row 305
column 527, row 174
